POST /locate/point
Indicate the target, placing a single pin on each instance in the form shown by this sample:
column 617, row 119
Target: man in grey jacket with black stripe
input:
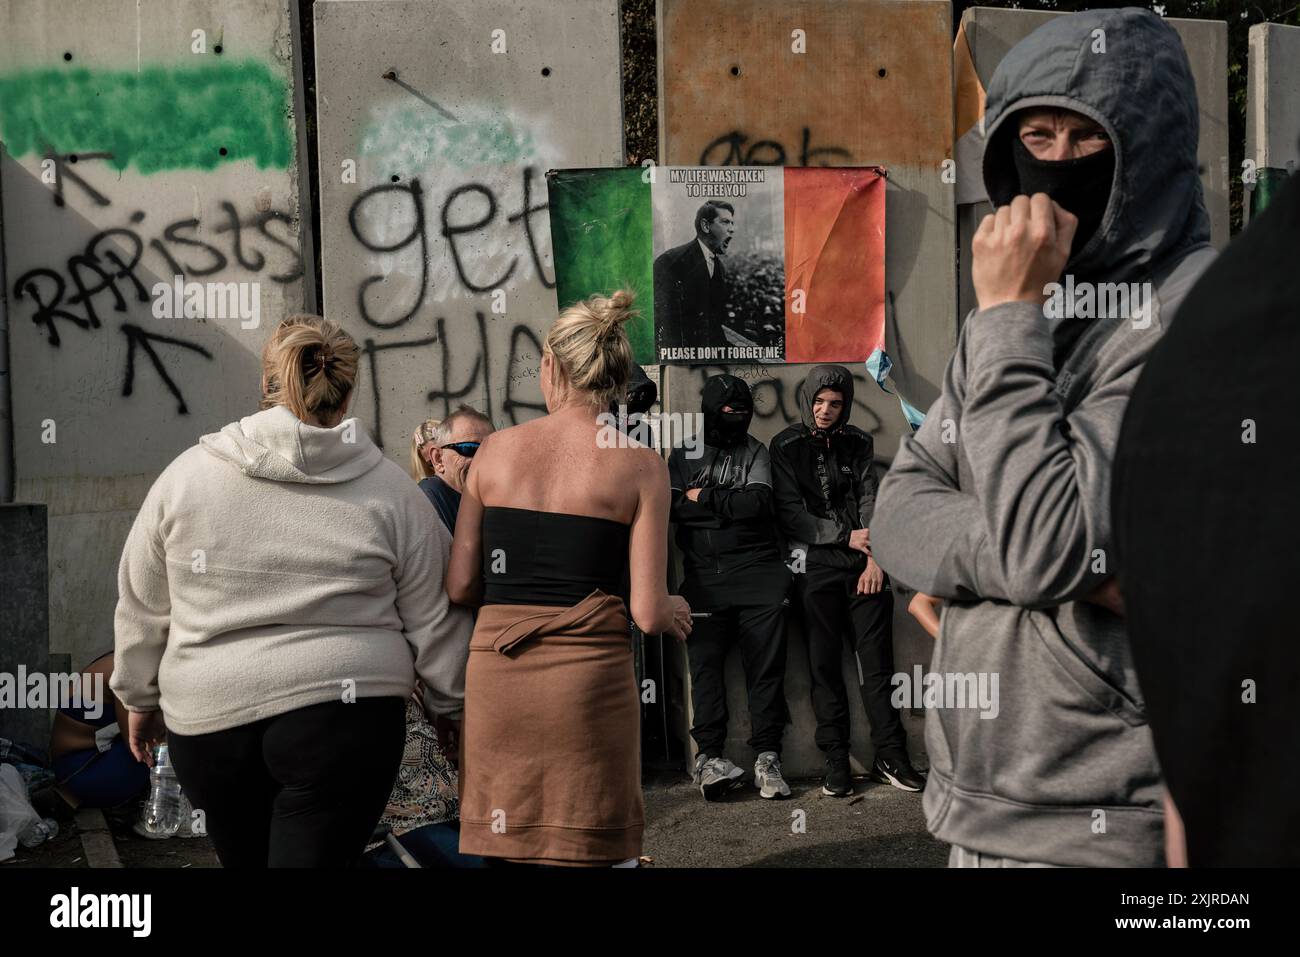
column 999, row 504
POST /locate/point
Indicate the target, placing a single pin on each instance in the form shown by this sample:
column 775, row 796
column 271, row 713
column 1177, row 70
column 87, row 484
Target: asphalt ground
column 879, row 826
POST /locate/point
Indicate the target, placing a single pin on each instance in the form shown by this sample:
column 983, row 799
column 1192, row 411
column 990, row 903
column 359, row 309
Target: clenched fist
column 1019, row 249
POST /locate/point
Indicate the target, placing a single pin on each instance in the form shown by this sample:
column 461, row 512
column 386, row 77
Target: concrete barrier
column 144, row 140
column 24, row 616
column 438, row 121
column 1272, row 108
column 828, row 83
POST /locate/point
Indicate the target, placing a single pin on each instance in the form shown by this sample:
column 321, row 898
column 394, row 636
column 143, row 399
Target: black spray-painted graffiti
column 729, row 149
column 455, row 228
column 449, row 230
column 520, row 365
column 135, row 336
column 61, row 162
column 108, row 268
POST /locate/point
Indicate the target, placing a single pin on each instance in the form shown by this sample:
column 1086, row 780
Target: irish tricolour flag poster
column 729, row 263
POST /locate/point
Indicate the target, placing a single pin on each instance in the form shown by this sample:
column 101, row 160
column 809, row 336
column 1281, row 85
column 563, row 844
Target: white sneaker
column 716, row 776
column 767, row 776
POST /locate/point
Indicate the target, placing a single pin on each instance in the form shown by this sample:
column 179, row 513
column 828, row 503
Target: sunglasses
column 466, row 449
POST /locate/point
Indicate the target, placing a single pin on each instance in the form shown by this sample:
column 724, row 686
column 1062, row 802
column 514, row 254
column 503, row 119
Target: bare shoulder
column 647, row 465
column 504, row 451
column 503, row 441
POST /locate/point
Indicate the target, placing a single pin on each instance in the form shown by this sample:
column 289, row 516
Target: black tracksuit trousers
column 760, row 631
column 832, row 611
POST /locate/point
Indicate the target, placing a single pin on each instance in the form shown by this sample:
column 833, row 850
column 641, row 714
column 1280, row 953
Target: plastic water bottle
column 38, row 832
column 162, row 813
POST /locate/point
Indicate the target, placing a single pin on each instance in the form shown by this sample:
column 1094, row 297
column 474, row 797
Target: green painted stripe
column 602, row 239
column 162, row 118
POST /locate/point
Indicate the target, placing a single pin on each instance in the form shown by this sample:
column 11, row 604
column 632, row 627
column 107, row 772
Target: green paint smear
column 413, row 136
column 161, row 118
column 1268, row 184
column 602, row 239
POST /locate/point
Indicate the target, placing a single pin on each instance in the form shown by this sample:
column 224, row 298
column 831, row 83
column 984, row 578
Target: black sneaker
column 898, row 772
column 839, row 783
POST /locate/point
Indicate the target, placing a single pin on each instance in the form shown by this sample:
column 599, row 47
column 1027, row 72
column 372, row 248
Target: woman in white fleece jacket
column 279, row 592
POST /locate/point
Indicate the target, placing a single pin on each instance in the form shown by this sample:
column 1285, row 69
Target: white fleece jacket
column 277, row 565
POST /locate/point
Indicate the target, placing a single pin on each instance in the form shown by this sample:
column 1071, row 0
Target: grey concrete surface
column 875, row 84
column 24, row 614
column 126, row 391
column 879, row 826
column 436, row 249
column 1273, row 96
column 97, row 839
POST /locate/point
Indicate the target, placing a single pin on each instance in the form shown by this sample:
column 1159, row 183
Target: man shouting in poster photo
column 691, row 281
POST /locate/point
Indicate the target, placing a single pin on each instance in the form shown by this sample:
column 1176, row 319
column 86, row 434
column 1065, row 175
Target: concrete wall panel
column 24, row 615
column 134, row 151
column 1273, row 96
column 436, row 254
column 872, row 87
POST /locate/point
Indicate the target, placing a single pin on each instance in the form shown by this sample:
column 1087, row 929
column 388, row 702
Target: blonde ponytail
column 590, row 346
column 309, row 366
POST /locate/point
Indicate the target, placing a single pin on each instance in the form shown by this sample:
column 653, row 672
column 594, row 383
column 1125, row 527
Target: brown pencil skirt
column 550, row 749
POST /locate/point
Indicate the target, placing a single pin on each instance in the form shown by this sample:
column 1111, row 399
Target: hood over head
column 825, row 377
column 641, row 391
column 1140, row 90
column 275, row 444
column 725, row 429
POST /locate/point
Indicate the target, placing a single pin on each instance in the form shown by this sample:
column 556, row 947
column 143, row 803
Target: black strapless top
column 550, row 558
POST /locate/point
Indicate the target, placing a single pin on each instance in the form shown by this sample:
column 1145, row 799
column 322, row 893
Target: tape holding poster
column 729, row 264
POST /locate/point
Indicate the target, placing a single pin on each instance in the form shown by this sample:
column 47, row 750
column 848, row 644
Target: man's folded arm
column 683, row 510
column 753, row 500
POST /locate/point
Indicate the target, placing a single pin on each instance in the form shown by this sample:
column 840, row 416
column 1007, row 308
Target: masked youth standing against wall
column 722, row 506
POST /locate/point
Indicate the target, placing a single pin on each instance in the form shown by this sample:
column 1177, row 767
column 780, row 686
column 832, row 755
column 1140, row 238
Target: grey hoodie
column 999, row 504
column 277, row 565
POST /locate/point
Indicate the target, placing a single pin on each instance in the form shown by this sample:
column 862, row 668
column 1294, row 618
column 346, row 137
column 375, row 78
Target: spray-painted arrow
column 135, row 336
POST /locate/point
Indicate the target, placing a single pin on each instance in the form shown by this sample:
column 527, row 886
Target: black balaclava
column 725, row 429
column 1080, row 186
column 641, row 391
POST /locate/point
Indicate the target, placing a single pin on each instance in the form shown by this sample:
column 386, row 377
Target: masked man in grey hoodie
column 999, row 504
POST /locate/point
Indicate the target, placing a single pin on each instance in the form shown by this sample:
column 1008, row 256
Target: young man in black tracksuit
column 722, row 506
column 825, row 493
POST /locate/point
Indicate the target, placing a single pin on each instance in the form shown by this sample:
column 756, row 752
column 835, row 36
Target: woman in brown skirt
column 556, row 514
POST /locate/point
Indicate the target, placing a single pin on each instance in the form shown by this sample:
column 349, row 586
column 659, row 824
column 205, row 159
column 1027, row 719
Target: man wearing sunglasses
column 448, row 451
column 444, row 451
